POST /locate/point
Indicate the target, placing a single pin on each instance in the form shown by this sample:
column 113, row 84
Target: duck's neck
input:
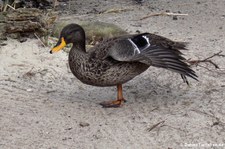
column 80, row 42
column 77, row 53
column 80, row 47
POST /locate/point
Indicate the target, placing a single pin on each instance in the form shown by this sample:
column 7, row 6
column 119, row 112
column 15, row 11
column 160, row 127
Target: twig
column 205, row 67
column 14, row 4
column 29, row 73
column 155, row 125
column 54, row 4
column 203, row 112
column 163, row 14
column 10, row 80
column 156, row 108
column 212, row 115
column 40, row 40
column 206, row 60
column 175, row 128
column 52, row 91
column 7, row 5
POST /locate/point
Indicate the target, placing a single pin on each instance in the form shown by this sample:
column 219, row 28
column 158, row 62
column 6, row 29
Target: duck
column 117, row 60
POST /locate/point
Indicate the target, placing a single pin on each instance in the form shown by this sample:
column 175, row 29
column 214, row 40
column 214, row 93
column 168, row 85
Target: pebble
column 84, row 124
column 175, row 18
column 29, row 90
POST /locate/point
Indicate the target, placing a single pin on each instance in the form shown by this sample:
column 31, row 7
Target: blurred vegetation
column 95, row 31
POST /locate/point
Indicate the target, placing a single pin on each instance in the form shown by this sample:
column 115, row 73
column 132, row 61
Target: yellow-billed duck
column 117, row 60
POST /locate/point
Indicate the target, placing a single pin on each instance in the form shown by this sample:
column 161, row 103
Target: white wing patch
column 146, row 38
column 136, row 49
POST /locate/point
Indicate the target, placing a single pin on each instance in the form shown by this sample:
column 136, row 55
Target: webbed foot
column 112, row 104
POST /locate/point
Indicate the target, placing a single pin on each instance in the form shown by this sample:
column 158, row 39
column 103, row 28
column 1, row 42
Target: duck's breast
column 105, row 72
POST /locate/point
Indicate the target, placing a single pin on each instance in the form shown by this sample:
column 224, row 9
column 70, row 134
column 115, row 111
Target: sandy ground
column 44, row 106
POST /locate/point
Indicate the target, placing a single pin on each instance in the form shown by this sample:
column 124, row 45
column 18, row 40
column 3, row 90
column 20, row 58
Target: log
column 24, row 22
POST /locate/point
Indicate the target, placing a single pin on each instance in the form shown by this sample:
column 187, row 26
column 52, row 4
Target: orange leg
column 115, row 103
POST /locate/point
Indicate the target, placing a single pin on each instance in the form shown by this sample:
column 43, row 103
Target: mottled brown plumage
column 117, row 60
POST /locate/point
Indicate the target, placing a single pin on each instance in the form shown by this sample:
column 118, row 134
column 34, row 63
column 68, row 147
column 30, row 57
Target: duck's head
column 72, row 33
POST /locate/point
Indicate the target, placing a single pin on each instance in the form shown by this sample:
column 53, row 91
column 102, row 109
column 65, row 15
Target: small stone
column 84, row 124
column 215, row 123
column 66, row 138
column 175, row 18
column 21, row 40
column 68, row 128
column 29, row 90
column 137, row 31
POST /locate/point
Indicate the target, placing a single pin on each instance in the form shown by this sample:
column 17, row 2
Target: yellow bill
column 60, row 44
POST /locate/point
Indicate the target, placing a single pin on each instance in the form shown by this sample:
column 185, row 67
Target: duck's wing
column 152, row 50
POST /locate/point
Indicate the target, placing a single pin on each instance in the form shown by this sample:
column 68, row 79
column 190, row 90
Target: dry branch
column 155, row 125
column 163, row 14
column 6, row 6
column 40, row 40
column 206, row 60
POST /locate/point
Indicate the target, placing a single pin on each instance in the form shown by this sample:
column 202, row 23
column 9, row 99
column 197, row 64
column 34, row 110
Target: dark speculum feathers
column 140, row 41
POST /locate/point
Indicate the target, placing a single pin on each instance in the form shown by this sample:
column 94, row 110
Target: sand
column 44, row 106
